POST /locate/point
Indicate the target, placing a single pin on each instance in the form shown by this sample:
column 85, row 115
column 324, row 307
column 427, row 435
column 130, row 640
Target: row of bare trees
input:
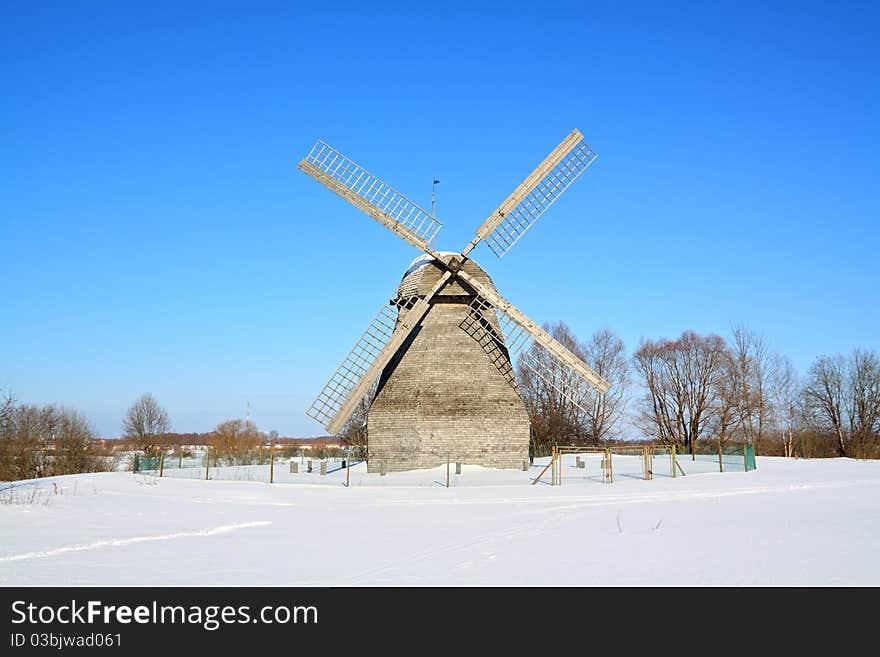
column 704, row 388
column 841, row 396
column 698, row 387
column 41, row 441
column 701, row 387
column 695, row 389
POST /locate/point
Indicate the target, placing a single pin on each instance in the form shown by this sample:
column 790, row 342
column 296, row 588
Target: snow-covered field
column 790, row 522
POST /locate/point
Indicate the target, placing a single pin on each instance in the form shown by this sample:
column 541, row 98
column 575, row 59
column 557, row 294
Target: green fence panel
column 750, row 457
column 142, row 463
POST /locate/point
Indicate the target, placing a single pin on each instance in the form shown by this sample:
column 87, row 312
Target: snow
column 790, row 522
column 424, row 259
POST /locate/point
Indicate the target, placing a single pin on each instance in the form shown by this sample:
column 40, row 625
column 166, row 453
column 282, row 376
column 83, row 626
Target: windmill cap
column 422, row 274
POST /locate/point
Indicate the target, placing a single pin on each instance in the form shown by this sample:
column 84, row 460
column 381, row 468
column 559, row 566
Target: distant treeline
column 42, row 441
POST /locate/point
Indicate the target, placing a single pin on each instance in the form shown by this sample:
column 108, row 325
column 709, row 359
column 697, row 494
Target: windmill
column 437, row 358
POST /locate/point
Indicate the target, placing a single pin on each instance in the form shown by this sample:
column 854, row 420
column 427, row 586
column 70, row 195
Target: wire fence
column 724, row 457
column 265, row 465
column 564, row 464
column 578, row 463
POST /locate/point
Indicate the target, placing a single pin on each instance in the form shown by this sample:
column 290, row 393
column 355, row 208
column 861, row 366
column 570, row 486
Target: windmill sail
column 535, row 195
column 370, row 195
column 354, row 366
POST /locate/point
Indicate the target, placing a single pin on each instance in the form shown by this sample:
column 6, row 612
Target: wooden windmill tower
column 442, row 350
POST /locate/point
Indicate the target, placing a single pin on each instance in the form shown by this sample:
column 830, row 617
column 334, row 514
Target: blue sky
column 157, row 236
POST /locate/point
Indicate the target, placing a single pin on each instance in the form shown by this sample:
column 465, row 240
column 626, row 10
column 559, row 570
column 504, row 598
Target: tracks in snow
column 120, row 542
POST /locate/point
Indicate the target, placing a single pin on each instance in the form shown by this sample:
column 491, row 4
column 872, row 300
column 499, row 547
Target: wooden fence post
column 447, row 472
column 272, row 466
column 672, row 460
column 161, row 464
column 207, row 463
column 676, row 464
column 720, row 460
column 538, row 478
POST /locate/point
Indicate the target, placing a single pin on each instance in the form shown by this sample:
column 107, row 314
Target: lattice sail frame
column 357, row 362
column 551, row 187
column 516, row 343
column 373, row 190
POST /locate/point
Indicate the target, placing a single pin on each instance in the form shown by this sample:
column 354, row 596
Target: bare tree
column 7, row 407
column 28, row 442
column 751, row 360
column 554, row 417
column 824, row 397
column 785, row 391
column 75, row 443
column 354, row 431
column 234, row 440
column 662, row 406
column 145, row 423
column 7, row 448
column 863, row 399
column 550, row 417
column 605, row 353
column 681, row 379
column 726, row 420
